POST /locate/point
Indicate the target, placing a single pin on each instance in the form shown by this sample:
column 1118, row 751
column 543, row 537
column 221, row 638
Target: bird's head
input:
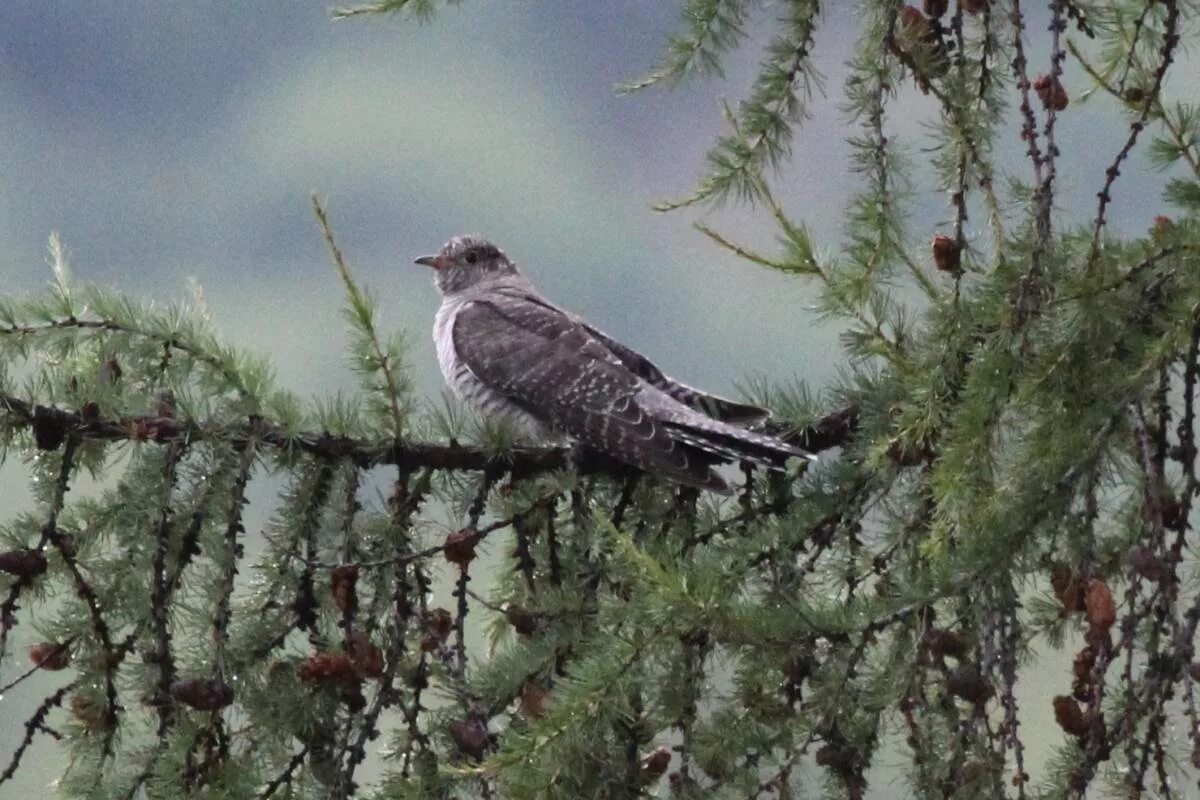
column 467, row 261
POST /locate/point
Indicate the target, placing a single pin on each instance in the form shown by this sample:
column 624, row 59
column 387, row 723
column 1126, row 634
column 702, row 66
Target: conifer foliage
column 1008, row 470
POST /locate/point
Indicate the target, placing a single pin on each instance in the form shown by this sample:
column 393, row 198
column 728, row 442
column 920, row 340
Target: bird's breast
column 470, row 389
column 443, row 340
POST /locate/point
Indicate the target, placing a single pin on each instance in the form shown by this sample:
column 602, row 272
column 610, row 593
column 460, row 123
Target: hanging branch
column 285, row 776
column 234, row 529
column 1151, row 99
column 405, row 502
column 159, row 596
column 32, row 725
column 1020, row 69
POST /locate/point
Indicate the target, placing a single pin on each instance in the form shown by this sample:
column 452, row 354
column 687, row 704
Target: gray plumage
column 515, row 355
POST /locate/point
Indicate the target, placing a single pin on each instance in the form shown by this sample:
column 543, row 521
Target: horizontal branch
column 51, row 425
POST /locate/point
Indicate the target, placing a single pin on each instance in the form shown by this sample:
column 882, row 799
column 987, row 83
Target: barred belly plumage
column 471, row 390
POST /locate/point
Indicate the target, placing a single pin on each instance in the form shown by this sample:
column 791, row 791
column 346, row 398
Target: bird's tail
column 719, row 408
column 729, row 443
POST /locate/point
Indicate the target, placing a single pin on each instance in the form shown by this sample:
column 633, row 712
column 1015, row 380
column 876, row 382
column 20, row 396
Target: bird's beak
column 436, row 262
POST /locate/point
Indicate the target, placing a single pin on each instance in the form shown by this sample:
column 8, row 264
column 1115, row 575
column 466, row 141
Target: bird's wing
column 551, row 366
column 717, row 407
column 712, row 405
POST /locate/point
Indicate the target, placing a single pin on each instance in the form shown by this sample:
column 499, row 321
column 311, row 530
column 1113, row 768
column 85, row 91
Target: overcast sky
column 163, row 146
column 172, row 140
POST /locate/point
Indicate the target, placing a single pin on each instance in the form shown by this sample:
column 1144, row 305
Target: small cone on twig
column 533, row 700
column 1069, row 716
column 326, row 667
column 343, row 582
column 23, row 563
column 654, row 764
column 50, row 655
column 202, row 694
column 459, row 547
column 1101, row 610
column 947, row 254
column 471, row 736
column 365, row 656
column 1051, row 92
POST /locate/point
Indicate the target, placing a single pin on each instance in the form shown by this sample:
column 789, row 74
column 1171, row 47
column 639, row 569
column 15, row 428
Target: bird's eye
column 471, row 256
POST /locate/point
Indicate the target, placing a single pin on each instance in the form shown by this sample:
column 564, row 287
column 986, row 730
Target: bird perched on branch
column 515, row 355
